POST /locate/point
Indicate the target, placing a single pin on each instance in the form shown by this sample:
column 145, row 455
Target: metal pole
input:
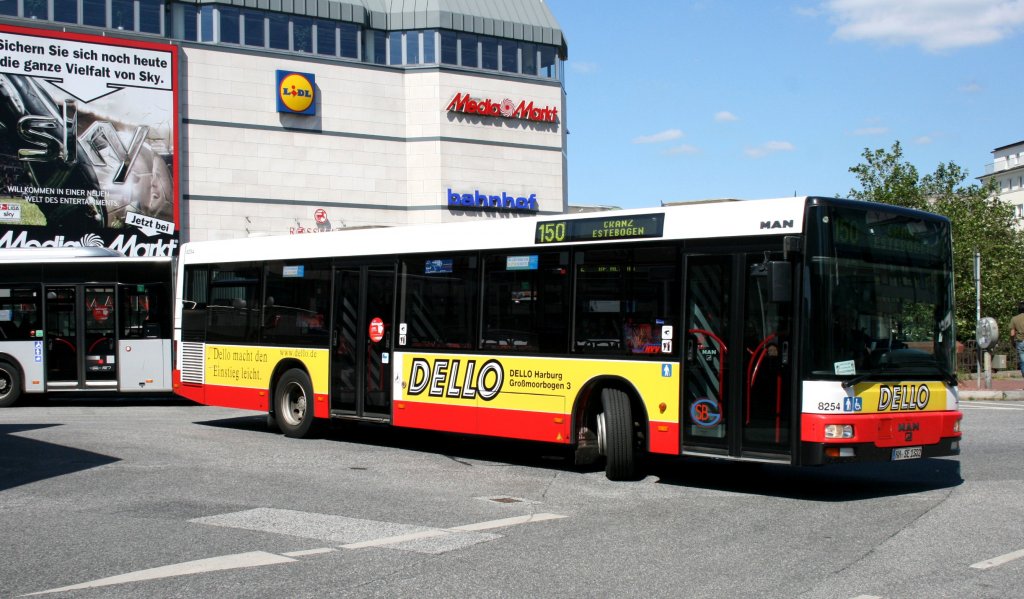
column 977, row 303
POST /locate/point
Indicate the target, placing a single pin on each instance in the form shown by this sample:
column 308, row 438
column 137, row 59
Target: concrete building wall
column 381, row 150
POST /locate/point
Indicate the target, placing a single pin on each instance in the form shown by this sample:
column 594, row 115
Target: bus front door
column 361, row 341
column 736, row 383
column 80, row 337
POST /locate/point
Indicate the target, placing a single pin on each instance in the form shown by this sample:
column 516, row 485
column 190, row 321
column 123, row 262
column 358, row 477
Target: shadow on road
column 847, row 482
column 832, row 483
column 24, row 461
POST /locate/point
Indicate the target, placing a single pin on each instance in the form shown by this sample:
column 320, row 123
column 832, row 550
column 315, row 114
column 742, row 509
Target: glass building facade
column 275, row 30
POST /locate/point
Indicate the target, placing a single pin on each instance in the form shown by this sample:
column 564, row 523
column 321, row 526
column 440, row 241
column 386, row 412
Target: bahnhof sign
column 141, row 124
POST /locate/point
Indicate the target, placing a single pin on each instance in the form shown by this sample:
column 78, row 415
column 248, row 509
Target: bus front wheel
column 615, row 435
column 10, row 385
column 293, row 403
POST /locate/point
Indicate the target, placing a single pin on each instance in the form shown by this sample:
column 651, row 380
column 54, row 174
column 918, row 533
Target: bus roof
column 696, row 221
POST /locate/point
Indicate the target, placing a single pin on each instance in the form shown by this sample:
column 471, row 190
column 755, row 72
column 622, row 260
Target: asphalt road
column 168, row 499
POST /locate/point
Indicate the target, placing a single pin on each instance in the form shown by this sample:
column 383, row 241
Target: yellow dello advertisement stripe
column 915, row 396
column 251, row 367
column 530, row 384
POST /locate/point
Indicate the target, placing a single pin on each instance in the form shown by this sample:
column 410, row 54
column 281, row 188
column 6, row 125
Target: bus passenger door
column 361, row 340
column 737, row 395
column 80, row 337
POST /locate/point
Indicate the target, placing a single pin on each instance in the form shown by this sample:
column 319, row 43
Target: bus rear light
column 839, row 431
column 839, row 452
column 956, row 425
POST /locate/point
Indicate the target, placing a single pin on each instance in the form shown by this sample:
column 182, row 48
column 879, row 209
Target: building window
column 449, row 47
column 349, row 45
column 395, row 47
column 376, row 47
column 489, row 53
column 184, row 18
column 36, row 9
column 206, row 18
column 1020, row 210
column 94, row 12
column 429, row 50
column 529, row 59
column 277, row 33
column 412, row 47
column 122, row 14
column 64, row 11
column 9, row 8
column 509, row 56
column 302, row 35
column 468, row 50
column 548, row 62
column 253, row 24
column 230, row 20
column 326, row 38
column 151, row 14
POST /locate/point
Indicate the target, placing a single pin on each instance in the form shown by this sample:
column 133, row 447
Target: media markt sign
column 526, row 111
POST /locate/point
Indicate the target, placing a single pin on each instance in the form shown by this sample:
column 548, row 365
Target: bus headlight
column 839, row 431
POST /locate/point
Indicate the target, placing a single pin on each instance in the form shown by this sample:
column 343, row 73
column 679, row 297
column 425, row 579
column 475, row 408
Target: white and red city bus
column 83, row 320
column 801, row 331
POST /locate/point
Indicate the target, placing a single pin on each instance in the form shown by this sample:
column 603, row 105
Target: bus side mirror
column 780, row 281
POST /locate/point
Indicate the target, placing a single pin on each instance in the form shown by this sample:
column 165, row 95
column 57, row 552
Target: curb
column 991, row 395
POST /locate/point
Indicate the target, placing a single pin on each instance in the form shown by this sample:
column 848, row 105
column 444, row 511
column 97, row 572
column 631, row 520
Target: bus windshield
column 880, row 290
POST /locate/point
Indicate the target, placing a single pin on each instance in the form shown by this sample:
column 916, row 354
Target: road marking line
column 212, row 564
column 306, row 552
column 506, row 522
column 412, row 536
column 990, row 407
column 867, row 597
column 998, row 561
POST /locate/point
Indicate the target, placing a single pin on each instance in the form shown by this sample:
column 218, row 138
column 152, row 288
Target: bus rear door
column 361, row 340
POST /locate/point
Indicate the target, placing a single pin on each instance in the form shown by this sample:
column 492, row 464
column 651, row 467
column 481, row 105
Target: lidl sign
column 296, row 92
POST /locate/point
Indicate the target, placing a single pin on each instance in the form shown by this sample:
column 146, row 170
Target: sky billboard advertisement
column 88, row 142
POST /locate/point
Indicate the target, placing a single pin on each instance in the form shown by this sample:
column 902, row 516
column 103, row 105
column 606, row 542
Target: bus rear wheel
column 293, row 404
column 615, row 435
column 10, row 385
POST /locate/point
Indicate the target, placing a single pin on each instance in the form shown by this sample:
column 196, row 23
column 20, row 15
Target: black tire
column 10, row 385
column 293, row 404
column 620, row 462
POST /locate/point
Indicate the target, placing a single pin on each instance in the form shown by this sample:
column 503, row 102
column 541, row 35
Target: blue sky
column 687, row 100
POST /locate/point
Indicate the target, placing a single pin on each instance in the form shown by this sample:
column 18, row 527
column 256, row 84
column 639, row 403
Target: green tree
column 980, row 222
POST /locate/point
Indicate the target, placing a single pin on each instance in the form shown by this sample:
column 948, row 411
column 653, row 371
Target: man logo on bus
column 452, row 378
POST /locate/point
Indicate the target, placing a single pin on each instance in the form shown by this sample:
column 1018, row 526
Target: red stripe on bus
column 883, row 430
column 435, row 417
column 236, row 397
column 664, row 437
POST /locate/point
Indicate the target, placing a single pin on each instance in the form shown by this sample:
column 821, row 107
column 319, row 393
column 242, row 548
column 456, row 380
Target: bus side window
column 526, row 302
column 19, row 313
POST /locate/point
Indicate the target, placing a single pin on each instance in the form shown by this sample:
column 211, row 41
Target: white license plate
column 906, row 453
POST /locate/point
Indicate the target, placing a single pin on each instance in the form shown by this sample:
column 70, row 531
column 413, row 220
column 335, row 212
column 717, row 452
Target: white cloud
column 683, row 149
column 666, row 135
column 932, row 24
column 971, row 88
column 767, row 148
column 923, row 140
column 725, row 116
column 584, row 68
column 871, row 131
